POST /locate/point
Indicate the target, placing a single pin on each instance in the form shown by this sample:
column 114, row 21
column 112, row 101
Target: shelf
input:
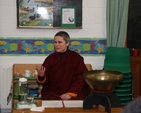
column 32, row 86
column 16, row 97
column 134, row 59
column 17, row 78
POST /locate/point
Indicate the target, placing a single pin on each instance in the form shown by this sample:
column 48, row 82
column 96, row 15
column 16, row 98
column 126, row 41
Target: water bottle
column 22, row 90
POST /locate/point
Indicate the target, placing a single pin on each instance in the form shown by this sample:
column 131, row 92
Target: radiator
column 5, row 84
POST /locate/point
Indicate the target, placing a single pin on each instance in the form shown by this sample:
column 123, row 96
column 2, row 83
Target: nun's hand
column 65, row 96
column 41, row 70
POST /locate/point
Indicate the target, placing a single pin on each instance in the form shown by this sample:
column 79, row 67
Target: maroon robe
column 64, row 73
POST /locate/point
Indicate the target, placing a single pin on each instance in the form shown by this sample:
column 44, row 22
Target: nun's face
column 60, row 44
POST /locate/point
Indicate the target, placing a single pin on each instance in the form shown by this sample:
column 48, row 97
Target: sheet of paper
column 37, row 109
column 52, row 104
column 73, row 103
column 27, row 106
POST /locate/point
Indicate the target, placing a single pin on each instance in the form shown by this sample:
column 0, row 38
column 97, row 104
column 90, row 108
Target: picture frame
column 34, row 13
column 68, row 16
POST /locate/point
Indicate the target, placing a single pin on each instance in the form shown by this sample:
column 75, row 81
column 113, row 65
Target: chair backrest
column 117, row 55
column 117, row 58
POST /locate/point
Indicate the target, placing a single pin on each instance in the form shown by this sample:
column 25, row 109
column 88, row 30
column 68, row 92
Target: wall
column 93, row 23
column 94, row 26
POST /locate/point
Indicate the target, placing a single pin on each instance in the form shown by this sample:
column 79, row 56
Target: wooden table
column 98, row 109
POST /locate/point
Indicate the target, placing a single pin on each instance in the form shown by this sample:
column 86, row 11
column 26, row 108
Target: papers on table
column 52, row 104
column 26, row 106
column 73, row 103
column 59, row 103
column 37, row 109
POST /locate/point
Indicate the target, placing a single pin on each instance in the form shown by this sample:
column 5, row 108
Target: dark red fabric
column 64, row 73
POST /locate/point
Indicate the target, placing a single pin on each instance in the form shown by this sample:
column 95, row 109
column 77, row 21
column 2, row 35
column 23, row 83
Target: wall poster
column 34, row 13
column 68, row 17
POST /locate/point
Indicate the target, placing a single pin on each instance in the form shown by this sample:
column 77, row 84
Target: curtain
column 116, row 22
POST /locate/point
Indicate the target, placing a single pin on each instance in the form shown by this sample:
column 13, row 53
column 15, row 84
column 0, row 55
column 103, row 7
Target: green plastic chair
column 125, row 94
column 122, row 90
column 118, row 59
column 121, row 85
column 127, row 75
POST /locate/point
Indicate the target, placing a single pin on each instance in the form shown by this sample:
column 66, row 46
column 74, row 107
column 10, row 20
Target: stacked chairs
column 118, row 59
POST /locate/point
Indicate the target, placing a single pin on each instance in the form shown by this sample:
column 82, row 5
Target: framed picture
column 68, row 16
column 34, row 13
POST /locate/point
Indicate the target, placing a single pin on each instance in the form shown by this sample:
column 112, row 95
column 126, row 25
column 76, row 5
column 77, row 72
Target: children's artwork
column 34, row 13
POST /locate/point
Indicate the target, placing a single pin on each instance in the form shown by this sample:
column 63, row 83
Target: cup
column 134, row 52
column 27, row 73
column 30, row 99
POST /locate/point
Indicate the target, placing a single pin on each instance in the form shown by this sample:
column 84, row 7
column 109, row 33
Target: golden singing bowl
column 102, row 79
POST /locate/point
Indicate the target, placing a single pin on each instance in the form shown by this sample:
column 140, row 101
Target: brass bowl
column 102, row 79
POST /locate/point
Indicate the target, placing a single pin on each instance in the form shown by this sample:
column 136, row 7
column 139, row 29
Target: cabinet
column 136, row 73
column 19, row 71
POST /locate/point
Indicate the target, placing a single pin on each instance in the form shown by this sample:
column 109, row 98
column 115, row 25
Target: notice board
column 49, row 13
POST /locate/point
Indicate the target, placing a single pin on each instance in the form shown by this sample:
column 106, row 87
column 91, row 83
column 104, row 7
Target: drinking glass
column 30, row 99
